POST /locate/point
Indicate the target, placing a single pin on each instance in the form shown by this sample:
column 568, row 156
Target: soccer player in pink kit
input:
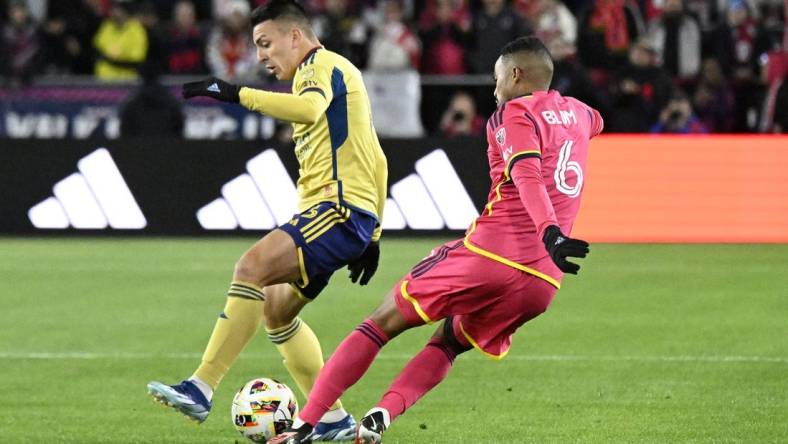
column 504, row 272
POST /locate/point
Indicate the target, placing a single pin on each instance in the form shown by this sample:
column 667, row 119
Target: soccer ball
column 263, row 408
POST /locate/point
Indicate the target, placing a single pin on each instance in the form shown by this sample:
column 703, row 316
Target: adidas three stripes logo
column 264, row 197
column 95, row 197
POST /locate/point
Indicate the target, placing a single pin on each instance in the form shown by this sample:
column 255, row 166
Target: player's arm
column 524, row 167
column 526, row 173
column 527, row 177
column 306, row 107
column 597, row 123
column 363, row 268
column 366, row 265
column 381, row 182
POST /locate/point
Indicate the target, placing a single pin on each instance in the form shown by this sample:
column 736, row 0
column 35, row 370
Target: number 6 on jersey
column 564, row 165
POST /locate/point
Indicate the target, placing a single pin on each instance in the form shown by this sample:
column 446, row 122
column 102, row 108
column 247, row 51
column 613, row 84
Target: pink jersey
column 543, row 126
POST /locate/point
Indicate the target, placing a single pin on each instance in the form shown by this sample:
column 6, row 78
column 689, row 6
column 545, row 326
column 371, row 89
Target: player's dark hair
column 538, row 63
column 527, row 43
column 280, row 9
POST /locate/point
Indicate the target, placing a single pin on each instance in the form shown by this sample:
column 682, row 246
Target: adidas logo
column 264, row 197
column 261, row 199
column 430, row 199
column 214, row 88
column 94, row 198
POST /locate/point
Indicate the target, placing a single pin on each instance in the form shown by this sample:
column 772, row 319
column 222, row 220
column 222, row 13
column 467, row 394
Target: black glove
column 367, row 264
column 561, row 247
column 214, row 88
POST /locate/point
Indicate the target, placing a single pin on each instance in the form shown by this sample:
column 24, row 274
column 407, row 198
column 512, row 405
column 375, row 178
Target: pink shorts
column 489, row 300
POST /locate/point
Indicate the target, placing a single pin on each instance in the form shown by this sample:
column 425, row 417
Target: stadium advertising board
column 639, row 188
column 167, row 187
column 82, row 112
column 64, row 111
column 660, row 188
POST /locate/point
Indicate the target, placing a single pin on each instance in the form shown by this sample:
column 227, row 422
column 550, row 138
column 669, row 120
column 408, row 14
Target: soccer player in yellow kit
column 342, row 190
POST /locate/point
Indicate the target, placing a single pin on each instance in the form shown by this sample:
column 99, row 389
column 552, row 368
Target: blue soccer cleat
column 343, row 430
column 184, row 397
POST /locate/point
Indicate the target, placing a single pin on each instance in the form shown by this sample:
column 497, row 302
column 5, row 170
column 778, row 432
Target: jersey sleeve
column 527, row 177
column 311, row 96
column 314, row 78
column 597, row 124
column 517, row 137
column 284, row 106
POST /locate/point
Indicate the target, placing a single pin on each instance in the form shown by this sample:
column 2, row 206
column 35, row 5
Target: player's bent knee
column 248, row 271
column 281, row 306
column 269, row 262
column 448, row 336
column 389, row 318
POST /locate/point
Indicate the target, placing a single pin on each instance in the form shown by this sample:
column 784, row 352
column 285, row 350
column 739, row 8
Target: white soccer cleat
column 372, row 426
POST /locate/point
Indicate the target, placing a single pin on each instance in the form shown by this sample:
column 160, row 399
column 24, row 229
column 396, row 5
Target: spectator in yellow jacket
column 121, row 44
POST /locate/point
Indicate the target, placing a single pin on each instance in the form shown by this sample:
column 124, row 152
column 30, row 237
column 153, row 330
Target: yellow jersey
column 127, row 43
column 339, row 156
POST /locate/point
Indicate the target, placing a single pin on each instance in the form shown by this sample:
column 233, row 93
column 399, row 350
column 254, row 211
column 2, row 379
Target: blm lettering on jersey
column 567, row 117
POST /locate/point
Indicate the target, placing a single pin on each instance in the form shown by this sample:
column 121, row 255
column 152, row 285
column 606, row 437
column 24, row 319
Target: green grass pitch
column 650, row 344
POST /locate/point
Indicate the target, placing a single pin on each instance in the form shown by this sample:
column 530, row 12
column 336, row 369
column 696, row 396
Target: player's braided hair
column 527, row 43
column 279, row 9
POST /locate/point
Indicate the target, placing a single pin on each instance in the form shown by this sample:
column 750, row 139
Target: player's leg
column 424, row 371
column 488, row 301
column 271, row 260
column 352, row 358
column 302, row 355
column 487, row 327
column 292, row 337
column 417, row 299
column 327, row 239
column 346, row 366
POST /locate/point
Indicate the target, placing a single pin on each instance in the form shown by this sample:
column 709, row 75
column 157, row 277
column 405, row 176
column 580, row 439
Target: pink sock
column 426, row 370
column 345, row 367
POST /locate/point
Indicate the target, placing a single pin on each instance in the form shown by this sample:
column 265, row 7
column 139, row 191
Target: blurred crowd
column 677, row 66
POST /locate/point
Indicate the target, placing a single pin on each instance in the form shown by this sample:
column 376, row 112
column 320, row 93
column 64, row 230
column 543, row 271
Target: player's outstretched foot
column 343, row 430
column 301, row 435
column 372, row 426
column 184, row 397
